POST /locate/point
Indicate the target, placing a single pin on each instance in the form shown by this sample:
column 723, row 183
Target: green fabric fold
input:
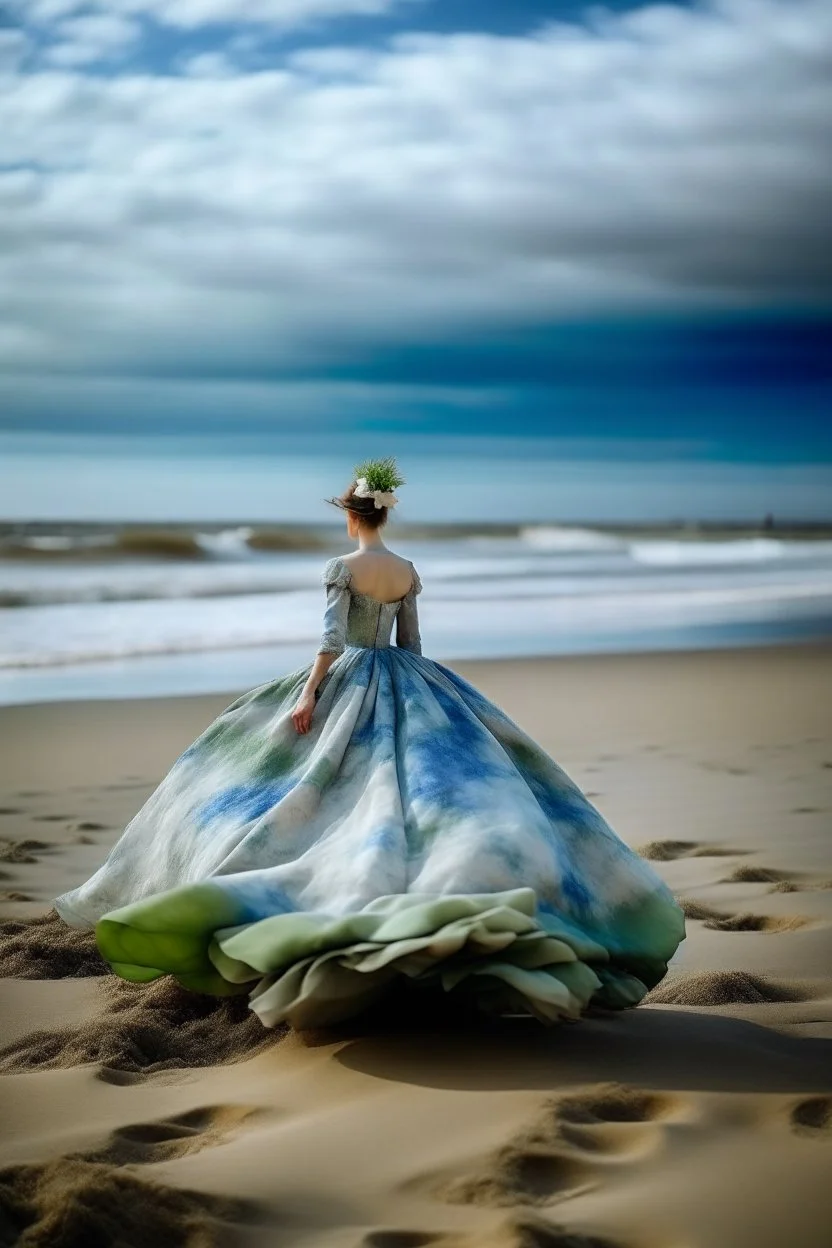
column 313, row 969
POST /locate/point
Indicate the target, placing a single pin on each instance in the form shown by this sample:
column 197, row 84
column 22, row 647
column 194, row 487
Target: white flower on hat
column 381, row 498
column 377, row 479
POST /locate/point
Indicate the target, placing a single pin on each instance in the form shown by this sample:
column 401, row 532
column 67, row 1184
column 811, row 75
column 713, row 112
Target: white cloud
column 192, row 14
column 279, row 14
column 251, row 221
column 208, row 65
column 92, row 37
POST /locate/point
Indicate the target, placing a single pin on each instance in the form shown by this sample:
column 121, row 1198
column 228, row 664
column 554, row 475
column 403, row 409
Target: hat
column 375, row 481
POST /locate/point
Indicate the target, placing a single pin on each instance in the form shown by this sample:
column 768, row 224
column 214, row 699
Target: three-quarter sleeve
column 407, row 618
column 336, row 577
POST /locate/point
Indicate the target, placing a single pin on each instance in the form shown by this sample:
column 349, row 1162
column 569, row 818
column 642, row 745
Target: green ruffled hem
column 314, row 969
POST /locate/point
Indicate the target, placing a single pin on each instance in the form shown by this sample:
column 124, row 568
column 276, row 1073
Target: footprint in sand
column 611, row 1103
column 718, row 921
column 69, row 1201
column 405, row 1239
column 693, row 909
column 609, row 1119
column 523, row 1232
column 600, row 1113
column 666, row 851
column 22, row 851
column 756, row 875
column 812, row 1116
column 528, row 1233
column 521, row 1174
column 144, row 1143
column 124, row 1078
column 563, row 1152
column 747, row 922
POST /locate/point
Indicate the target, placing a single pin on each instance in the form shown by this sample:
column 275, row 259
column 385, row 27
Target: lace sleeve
column 336, row 577
column 407, row 619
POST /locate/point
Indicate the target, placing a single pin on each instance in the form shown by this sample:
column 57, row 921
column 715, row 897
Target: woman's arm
column 336, row 578
column 305, row 706
column 407, row 620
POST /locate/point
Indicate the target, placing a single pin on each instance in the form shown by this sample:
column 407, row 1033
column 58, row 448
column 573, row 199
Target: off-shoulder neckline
column 392, row 602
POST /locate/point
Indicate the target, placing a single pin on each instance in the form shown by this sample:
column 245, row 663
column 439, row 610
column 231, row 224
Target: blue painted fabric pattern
column 415, row 831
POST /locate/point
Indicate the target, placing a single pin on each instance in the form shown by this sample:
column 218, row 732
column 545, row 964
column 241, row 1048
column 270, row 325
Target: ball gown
column 414, row 831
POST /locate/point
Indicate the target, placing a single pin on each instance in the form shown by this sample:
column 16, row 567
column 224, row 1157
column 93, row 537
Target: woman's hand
column 302, row 714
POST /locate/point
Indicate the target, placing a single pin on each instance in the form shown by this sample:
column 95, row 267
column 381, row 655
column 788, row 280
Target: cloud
column 193, row 14
column 352, row 199
column 209, row 65
column 14, row 47
column 92, row 37
column 277, row 14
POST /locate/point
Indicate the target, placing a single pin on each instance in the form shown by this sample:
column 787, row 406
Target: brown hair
column 370, row 515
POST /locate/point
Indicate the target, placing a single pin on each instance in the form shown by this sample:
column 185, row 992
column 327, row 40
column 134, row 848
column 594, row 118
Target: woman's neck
column 370, row 541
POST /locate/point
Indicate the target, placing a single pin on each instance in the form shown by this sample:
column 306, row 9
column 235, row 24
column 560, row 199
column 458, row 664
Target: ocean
column 98, row 610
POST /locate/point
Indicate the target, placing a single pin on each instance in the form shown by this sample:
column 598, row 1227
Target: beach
column 700, row 1119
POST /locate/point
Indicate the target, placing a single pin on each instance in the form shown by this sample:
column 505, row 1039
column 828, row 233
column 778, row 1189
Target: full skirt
column 415, row 831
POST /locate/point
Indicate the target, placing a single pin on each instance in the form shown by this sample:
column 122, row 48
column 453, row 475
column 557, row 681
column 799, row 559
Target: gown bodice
column 370, row 622
column 356, row 619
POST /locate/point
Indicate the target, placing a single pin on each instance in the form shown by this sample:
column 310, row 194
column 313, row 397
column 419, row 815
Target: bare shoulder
column 375, row 558
column 381, row 573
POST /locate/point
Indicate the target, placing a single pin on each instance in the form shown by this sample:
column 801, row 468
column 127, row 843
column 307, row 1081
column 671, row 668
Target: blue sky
column 606, row 226
column 161, row 35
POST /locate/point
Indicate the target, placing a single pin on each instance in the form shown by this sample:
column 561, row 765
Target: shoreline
column 200, row 612
column 192, row 667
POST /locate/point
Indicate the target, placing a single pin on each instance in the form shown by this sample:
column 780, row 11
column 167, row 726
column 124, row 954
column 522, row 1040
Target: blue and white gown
column 414, row 831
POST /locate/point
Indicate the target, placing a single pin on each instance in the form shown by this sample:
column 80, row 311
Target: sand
column 702, row 1119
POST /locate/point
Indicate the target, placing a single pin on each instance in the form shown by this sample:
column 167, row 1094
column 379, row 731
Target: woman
column 373, row 816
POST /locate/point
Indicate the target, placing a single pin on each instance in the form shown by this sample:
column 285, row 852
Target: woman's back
column 379, row 574
column 366, row 596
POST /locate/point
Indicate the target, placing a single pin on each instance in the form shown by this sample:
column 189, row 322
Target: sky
column 371, row 224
